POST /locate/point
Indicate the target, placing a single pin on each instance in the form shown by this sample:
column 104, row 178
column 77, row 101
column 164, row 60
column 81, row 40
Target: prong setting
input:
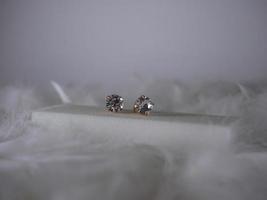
column 114, row 103
column 143, row 105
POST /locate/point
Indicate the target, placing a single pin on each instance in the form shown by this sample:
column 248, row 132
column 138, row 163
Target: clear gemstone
column 143, row 105
column 114, row 103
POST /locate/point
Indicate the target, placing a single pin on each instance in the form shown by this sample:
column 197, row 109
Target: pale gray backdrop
column 100, row 40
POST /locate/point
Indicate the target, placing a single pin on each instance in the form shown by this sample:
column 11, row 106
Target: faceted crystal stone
column 114, row 103
column 143, row 105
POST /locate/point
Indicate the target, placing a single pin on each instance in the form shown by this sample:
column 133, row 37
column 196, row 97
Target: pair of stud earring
column 142, row 105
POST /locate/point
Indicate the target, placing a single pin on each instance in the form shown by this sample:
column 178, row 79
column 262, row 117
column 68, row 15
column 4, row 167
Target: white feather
column 244, row 91
column 64, row 98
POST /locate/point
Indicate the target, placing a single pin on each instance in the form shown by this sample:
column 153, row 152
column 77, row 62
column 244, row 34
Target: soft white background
column 102, row 40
